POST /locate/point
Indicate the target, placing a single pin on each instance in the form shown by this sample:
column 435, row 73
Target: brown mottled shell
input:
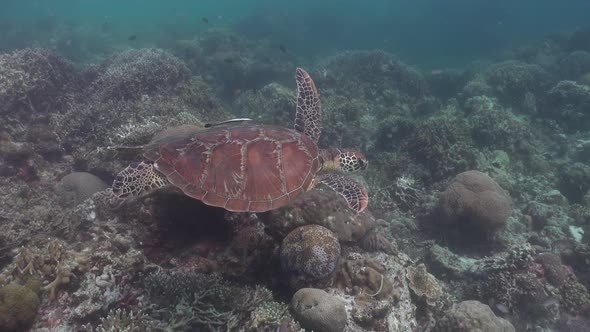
column 243, row 168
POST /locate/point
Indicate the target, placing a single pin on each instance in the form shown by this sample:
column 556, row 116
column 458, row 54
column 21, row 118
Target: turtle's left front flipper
column 137, row 180
column 355, row 195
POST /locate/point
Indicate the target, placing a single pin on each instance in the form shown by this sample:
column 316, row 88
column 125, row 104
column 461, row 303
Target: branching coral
column 34, row 79
column 124, row 321
column 134, row 74
column 203, row 300
column 53, row 264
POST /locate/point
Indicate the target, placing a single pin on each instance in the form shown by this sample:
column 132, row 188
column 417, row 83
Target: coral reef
column 480, row 257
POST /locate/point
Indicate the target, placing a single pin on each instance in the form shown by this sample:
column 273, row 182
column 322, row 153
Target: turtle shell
column 241, row 168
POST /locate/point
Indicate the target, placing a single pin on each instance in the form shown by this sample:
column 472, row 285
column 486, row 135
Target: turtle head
column 352, row 161
column 344, row 160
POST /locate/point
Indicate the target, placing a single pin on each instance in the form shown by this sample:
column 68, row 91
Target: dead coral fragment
column 366, row 279
column 52, row 264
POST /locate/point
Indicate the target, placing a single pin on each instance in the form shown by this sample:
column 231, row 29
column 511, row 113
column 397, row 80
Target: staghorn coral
column 124, row 321
column 309, row 254
column 271, row 314
column 319, row 311
column 200, row 300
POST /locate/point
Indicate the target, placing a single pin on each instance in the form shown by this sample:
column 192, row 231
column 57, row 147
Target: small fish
column 283, row 48
column 132, row 37
column 436, row 72
column 209, row 125
column 205, row 20
column 228, row 60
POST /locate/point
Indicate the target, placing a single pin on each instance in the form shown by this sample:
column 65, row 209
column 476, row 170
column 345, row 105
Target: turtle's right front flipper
column 355, row 194
column 136, row 180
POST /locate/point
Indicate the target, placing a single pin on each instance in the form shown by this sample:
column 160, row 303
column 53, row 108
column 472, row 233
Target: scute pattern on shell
column 311, row 252
column 241, row 168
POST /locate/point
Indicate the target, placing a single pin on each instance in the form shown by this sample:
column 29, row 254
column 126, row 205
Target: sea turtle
column 247, row 167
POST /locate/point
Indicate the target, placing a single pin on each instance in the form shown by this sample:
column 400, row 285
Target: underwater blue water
column 430, row 33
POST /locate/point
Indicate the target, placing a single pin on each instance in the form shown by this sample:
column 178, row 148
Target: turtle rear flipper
column 137, row 179
column 355, row 194
column 309, row 107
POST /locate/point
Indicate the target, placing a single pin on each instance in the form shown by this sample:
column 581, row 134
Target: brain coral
column 310, row 252
column 318, row 311
column 472, row 316
column 475, row 199
column 76, row 187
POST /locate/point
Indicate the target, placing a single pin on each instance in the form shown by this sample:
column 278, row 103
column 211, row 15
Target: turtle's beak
column 363, row 164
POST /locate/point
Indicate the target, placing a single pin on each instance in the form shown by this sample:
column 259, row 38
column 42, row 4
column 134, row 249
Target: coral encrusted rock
column 472, row 316
column 310, row 253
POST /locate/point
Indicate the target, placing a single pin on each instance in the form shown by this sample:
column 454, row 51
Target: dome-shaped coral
column 310, row 253
column 317, row 310
column 476, row 200
column 472, row 316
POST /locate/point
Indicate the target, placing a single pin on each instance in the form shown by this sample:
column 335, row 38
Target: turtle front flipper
column 137, row 179
column 355, row 194
column 309, row 107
